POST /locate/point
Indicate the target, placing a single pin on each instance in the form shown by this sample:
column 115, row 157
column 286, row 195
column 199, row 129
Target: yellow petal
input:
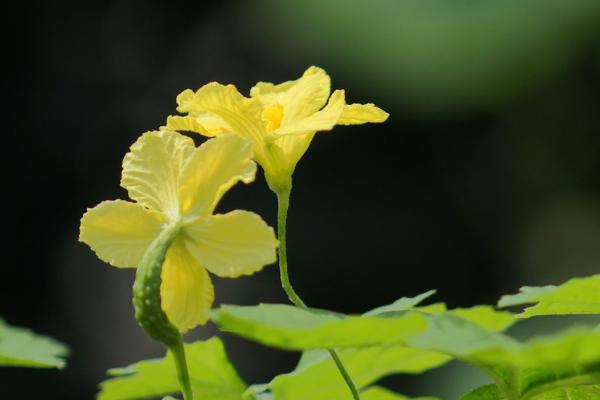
column 268, row 93
column 306, row 96
column 323, row 120
column 355, row 114
column 240, row 114
column 203, row 123
column 212, row 169
column 119, row 231
column 293, row 148
column 151, row 170
column 232, row 244
column 186, row 291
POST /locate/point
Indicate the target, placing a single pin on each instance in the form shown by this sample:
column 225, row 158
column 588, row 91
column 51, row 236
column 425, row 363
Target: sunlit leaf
column 402, row 304
column 485, row 317
column 571, row 393
column 316, row 376
column 492, row 392
column 486, row 392
column 538, row 366
column 380, row 393
column 576, row 296
column 293, row 328
column 19, row 347
column 211, row 373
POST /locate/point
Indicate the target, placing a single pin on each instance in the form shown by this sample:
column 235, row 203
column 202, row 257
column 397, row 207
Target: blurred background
column 486, row 176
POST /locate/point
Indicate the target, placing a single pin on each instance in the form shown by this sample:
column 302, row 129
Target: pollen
column 273, row 115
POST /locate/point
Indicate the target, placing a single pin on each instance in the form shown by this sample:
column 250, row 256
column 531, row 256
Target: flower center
column 273, row 115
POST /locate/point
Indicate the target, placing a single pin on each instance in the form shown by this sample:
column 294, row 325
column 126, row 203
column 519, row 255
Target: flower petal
column 212, row 169
column 232, row 244
column 308, row 95
column 323, row 120
column 186, row 291
column 293, row 148
column 119, row 231
column 152, row 168
column 355, row 114
column 203, row 123
column 268, row 93
column 240, row 114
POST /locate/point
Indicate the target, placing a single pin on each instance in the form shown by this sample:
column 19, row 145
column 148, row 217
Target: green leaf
column 539, row 366
column 402, row 304
column 211, row 373
column 485, row 317
column 576, row 296
column 380, row 393
column 492, row 392
column 292, row 328
column 572, row 393
column 317, row 378
column 19, row 347
column 450, row 334
column 486, row 392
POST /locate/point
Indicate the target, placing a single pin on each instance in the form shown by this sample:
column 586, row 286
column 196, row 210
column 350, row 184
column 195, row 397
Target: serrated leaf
column 485, row 317
column 292, row 328
column 576, row 296
column 402, row 304
column 317, row 377
column 212, row 376
column 456, row 336
column 20, row 347
column 540, row 365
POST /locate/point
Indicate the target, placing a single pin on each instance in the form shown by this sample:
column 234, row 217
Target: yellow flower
column 280, row 120
column 173, row 182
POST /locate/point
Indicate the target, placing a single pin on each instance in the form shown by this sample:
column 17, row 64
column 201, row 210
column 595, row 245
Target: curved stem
column 283, row 202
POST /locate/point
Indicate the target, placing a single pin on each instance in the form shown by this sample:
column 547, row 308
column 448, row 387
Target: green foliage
column 576, row 296
column 520, row 370
column 379, row 393
column 317, row 378
column 292, row 328
column 491, row 392
column 211, row 373
column 486, row 392
column 371, row 347
column 402, row 304
column 19, row 347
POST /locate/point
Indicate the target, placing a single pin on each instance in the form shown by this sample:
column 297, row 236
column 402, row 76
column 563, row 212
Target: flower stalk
column 283, row 201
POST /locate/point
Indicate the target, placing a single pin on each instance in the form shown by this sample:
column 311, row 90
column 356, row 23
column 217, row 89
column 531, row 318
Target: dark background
column 485, row 177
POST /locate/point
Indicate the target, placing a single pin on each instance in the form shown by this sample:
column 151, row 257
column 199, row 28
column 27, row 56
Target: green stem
column 283, row 202
column 183, row 376
column 344, row 373
column 147, row 303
